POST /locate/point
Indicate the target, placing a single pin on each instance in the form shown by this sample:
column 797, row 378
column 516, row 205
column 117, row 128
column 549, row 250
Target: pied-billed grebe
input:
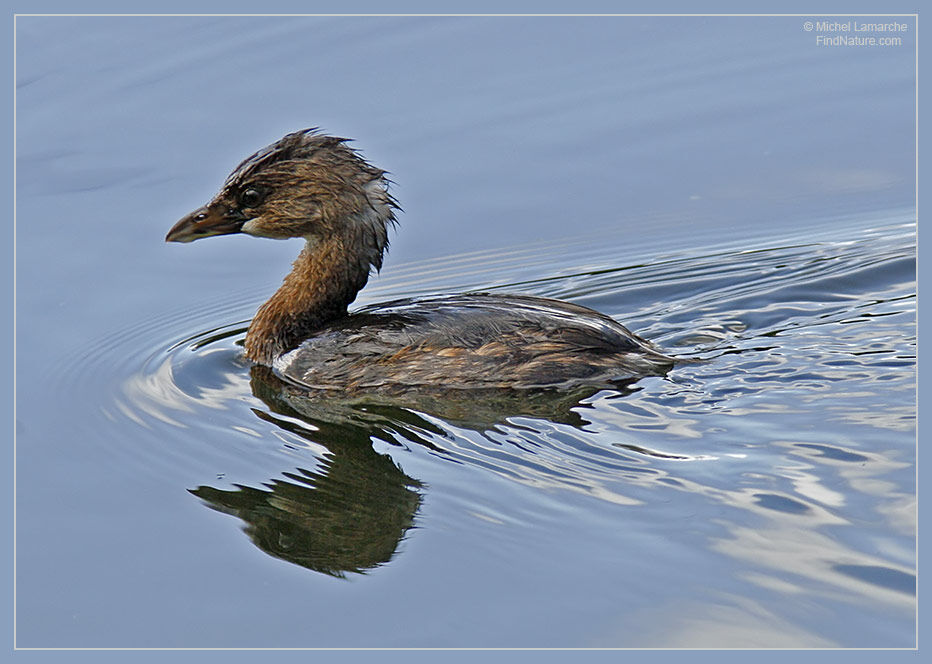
column 316, row 187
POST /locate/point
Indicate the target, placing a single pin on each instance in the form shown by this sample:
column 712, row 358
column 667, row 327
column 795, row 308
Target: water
column 722, row 186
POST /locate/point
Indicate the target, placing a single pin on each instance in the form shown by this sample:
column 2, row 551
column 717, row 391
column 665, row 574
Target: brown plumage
column 314, row 186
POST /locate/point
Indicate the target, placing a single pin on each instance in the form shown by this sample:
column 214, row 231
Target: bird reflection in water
column 352, row 512
column 347, row 515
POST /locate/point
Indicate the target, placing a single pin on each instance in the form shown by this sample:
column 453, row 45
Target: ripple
column 778, row 331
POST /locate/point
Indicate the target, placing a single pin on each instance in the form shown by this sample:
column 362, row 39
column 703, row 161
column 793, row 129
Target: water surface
column 722, row 186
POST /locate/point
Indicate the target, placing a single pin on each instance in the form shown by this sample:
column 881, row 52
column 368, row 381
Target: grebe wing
column 476, row 340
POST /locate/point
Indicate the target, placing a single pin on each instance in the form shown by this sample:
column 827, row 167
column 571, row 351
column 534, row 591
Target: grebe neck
column 324, row 280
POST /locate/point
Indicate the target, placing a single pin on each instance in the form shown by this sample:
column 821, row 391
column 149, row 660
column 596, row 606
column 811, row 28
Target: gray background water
column 724, row 185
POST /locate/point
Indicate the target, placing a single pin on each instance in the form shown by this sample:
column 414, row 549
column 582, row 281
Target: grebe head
column 306, row 184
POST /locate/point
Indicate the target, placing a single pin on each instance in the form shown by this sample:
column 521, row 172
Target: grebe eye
column 250, row 198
